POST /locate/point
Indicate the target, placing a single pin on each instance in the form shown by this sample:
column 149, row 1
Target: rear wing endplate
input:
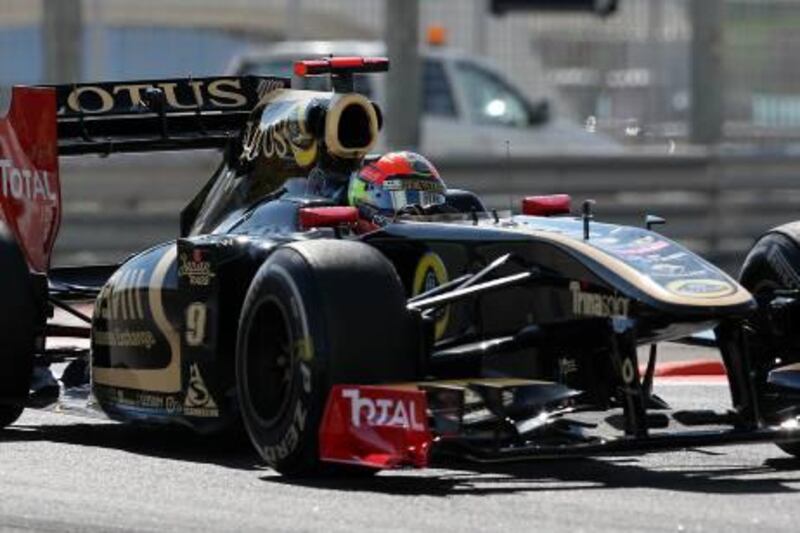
column 152, row 115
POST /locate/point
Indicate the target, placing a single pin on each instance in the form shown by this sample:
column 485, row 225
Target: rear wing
column 38, row 124
column 154, row 115
column 30, row 198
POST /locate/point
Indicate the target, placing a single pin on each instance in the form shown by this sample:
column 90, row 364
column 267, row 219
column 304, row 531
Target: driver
column 395, row 183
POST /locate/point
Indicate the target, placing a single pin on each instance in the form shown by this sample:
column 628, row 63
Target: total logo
column 24, row 183
column 382, row 412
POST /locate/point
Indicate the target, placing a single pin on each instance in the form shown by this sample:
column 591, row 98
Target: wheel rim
column 269, row 362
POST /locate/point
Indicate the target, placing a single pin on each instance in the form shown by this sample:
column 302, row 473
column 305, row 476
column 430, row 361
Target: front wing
column 499, row 420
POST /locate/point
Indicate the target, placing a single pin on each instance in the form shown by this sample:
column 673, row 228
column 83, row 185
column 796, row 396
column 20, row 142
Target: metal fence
column 627, row 73
column 717, row 206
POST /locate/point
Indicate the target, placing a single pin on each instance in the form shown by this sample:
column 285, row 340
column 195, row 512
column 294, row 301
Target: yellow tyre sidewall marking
column 431, row 262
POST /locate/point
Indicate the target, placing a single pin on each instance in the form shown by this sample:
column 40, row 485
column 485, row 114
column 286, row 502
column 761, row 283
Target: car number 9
column 196, row 317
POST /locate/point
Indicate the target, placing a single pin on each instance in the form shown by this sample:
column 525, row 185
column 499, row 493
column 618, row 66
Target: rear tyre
column 317, row 313
column 17, row 330
column 773, row 264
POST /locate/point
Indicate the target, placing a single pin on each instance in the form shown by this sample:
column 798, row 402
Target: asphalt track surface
column 64, row 473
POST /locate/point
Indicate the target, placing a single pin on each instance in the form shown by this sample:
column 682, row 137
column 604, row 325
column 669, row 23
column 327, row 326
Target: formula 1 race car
column 347, row 346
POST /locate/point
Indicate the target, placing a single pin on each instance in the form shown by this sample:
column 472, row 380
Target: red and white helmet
column 394, row 181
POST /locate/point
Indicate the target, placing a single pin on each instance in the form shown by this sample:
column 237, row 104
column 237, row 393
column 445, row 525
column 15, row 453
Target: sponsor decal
column 667, row 269
column 378, row 427
column 144, row 400
column 198, row 401
column 566, row 366
column 196, row 268
column 628, row 371
column 281, row 138
column 150, row 400
column 178, row 94
column 701, row 288
column 196, row 321
column 643, row 246
column 267, row 86
column 116, row 299
column 382, row 412
column 412, row 185
column 675, row 257
column 594, row 304
column 125, row 339
column 121, row 299
column 431, row 273
column 605, row 241
column 137, row 399
column 25, row 184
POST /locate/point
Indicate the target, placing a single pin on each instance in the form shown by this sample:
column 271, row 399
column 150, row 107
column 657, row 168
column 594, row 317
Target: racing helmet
column 395, row 182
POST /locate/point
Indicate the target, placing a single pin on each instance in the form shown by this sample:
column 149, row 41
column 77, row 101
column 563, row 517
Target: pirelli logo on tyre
column 431, row 273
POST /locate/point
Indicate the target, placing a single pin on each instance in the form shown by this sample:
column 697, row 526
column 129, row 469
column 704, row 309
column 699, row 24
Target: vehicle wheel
column 773, row 264
column 17, row 329
column 317, row 313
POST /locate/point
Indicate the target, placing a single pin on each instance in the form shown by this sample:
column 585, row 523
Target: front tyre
column 317, row 313
column 772, row 265
column 17, row 330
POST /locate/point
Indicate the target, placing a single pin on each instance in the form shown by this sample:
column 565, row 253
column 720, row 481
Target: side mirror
column 546, row 206
column 539, row 113
column 653, row 220
column 327, row 217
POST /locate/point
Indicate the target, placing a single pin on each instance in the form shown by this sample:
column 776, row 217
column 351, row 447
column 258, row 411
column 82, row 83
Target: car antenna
column 330, row 75
column 508, row 173
column 587, row 217
column 341, row 82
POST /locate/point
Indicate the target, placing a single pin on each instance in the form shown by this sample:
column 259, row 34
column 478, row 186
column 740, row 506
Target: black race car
column 463, row 332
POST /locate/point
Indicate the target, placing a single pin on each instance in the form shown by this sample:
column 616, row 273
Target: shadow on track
column 231, row 449
column 570, row 474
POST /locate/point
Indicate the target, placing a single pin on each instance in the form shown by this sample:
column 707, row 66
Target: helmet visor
column 403, row 191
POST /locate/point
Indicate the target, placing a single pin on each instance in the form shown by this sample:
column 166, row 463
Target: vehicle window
column 285, row 68
column 490, row 99
column 267, row 68
column 437, row 98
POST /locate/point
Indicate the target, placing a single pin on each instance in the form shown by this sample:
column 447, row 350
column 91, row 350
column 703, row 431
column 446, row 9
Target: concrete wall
column 715, row 205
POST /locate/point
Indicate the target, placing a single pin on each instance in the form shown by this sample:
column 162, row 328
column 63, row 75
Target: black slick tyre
column 317, row 313
column 773, row 264
column 17, row 329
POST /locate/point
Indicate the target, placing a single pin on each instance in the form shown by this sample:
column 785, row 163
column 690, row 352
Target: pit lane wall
column 715, row 204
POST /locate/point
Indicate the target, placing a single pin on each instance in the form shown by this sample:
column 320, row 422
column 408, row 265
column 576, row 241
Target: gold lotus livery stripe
column 155, row 380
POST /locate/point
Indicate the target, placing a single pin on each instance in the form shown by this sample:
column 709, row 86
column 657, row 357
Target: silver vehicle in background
column 468, row 107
